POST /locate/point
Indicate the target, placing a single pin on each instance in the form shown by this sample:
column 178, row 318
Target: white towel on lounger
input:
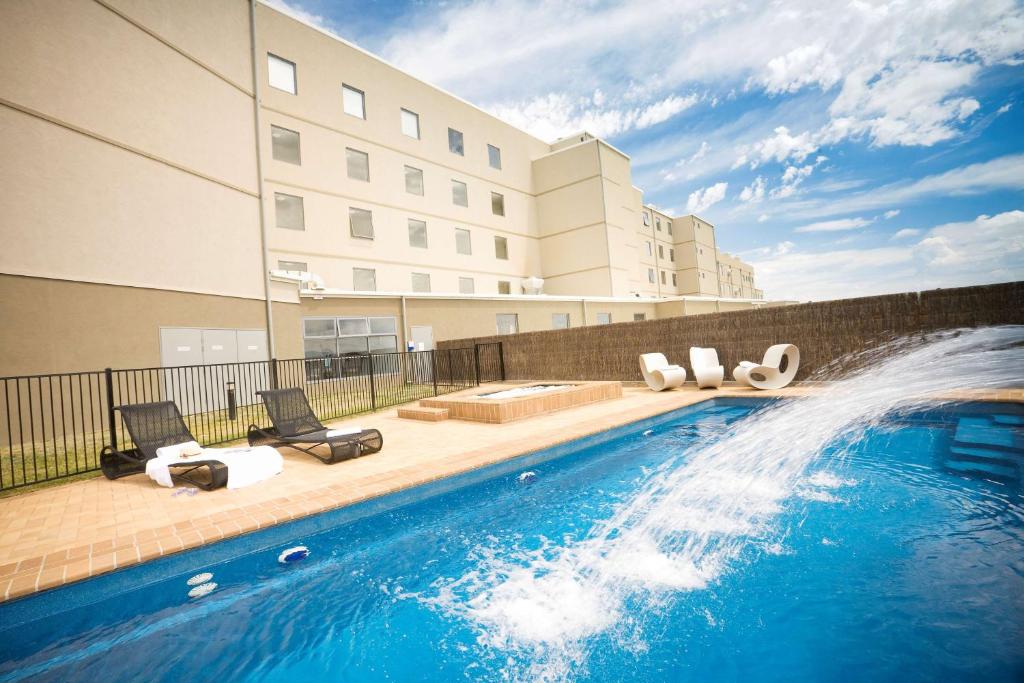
column 246, row 466
column 344, row 431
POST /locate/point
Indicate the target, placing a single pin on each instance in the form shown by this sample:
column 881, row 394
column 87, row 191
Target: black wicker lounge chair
column 153, row 426
column 296, row 426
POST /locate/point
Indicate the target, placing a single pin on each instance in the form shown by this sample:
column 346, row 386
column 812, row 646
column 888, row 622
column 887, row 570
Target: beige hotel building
column 181, row 177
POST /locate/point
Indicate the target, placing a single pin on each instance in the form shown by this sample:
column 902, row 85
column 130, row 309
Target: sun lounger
column 296, row 426
column 776, row 370
column 706, row 369
column 658, row 374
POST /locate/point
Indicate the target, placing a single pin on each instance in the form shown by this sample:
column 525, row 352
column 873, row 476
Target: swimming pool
column 901, row 559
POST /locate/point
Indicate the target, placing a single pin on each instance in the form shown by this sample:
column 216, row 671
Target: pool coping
column 44, row 572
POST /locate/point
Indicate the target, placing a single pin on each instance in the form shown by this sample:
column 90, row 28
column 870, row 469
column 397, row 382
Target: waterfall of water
column 695, row 515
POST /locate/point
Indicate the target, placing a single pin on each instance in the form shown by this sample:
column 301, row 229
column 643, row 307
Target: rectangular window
column 672, row 255
column 360, row 222
column 650, row 275
column 354, row 101
column 663, row 277
column 364, row 279
column 604, row 318
column 417, row 233
column 289, row 211
column 508, row 323
column 460, row 194
column 657, row 223
column 413, row 180
column 463, row 244
column 559, row 321
column 410, row 124
column 674, row 280
column 647, row 218
column 358, row 164
column 282, row 73
column 661, row 251
column 293, row 266
column 330, row 337
column 497, row 204
column 504, row 287
column 494, row 157
column 466, row 285
column 650, row 249
column 420, row 282
column 668, row 226
column 637, row 317
column 501, row 248
column 455, row 142
column 319, row 328
column 284, row 144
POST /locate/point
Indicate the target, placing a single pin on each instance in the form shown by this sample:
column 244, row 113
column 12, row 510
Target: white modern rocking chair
column 658, row 374
column 706, row 369
column 776, row 370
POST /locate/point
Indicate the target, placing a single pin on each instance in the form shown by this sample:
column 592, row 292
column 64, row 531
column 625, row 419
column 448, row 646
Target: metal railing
column 54, row 426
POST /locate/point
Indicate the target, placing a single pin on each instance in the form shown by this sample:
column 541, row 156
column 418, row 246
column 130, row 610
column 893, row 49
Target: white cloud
column 835, row 226
column 706, row 197
column 984, row 250
column 1005, row 108
column 780, row 146
column 891, row 214
column 904, row 233
column 700, row 153
column 753, row 192
column 762, row 218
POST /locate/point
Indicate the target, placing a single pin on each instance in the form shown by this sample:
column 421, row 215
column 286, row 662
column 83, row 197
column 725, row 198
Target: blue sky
column 844, row 148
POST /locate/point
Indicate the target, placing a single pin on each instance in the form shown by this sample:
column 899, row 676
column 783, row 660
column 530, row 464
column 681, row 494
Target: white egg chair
column 708, row 372
column 776, row 370
column 658, row 374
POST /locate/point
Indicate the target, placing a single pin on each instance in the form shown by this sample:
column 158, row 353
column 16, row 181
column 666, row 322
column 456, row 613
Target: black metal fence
column 54, row 426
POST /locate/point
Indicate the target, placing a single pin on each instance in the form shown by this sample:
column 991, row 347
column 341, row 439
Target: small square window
column 647, row 218
column 358, row 164
column 281, row 73
column 293, row 266
column 410, row 124
column 497, row 204
column 289, row 211
column 559, row 321
column 494, row 157
column 354, row 101
column 417, row 233
column 463, row 243
column 508, row 323
column 504, row 287
column 420, row 282
column 650, row 275
column 501, row 248
column 360, row 222
column 460, row 194
column 604, row 318
column 637, row 317
column 413, row 180
column 284, row 144
column 466, row 285
column 455, row 142
column 364, row 279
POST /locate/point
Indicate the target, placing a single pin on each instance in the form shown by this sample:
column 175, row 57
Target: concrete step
column 423, row 413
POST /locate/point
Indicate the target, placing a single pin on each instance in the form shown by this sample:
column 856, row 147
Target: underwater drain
column 299, row 552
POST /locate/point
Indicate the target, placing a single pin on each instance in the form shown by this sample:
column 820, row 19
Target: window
column 334, row 337
column 354, row 101
column 497, row 204
column 604, row 318
column 282, row 73
column 358, row 164
column 410, row 124
column 463, row 245
column 559, row 321
column 294, row 266
column 674, row 282
column 647, row 218
column 364, row 279
column 650, row 275
column 700, row 250
column 657, row 223
column 460, row 195
column 661, row 251
column 637, row 317
column 466, row 285
column 455, row 142
column 417, row 233
column 650, row 251
column 508, row 323
column 663, row 277
column 504, row 287
column 360, row 221
column 668, row 226
column 413, row 180
column 289, row 211
column 501, row 248
column 494, row 157
column 284, row 144
column 672, row 255
column 420, row 282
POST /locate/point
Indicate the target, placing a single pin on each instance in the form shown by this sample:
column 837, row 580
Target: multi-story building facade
column 226, row 168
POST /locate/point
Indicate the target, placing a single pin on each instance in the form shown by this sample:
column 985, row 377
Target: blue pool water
column 903, row 559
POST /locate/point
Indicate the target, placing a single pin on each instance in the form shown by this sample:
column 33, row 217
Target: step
column 423, row 413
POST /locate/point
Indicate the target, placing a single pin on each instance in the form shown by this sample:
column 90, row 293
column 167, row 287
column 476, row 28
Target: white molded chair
column 706, row 369
column 776, row 370
column 658, row 374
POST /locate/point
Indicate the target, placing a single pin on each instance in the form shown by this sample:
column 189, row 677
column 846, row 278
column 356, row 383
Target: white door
column 252, row 373
column 252, row 346
column 422, row 334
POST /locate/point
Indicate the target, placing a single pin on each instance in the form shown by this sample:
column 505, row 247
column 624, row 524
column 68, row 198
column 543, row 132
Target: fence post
column 373, row 386
column 109, row 375
column 273, row 373
column 501, row 359
column 433, row 368
column 476, row 362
